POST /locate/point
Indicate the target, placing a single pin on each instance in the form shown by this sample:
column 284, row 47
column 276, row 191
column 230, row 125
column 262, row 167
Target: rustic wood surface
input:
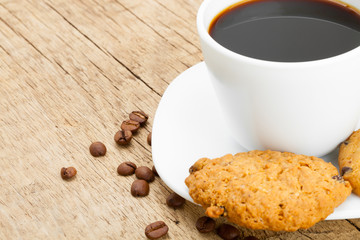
column 70, row 72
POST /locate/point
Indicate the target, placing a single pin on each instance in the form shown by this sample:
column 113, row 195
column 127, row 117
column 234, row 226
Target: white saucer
column 188, row 125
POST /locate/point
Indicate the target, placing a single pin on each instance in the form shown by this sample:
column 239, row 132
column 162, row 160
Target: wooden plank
column 70, row 72
column 118, row 33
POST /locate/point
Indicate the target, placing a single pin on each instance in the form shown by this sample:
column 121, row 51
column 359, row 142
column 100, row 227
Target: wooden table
column 70, row 72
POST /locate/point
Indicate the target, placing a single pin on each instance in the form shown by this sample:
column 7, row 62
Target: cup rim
column 205, row 36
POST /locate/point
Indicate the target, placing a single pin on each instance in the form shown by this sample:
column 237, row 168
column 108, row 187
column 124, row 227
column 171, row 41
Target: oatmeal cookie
column 349, row 161
column 271, row 190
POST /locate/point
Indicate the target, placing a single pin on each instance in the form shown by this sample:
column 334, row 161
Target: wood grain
column 70, row 72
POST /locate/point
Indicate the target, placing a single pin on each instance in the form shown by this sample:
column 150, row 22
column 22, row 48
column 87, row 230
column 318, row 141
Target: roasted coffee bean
column 154, row 171
column 205, row 224
column 138, row 116
column 97, row 149
column 130, row 125
column 156, row 230
column 175, row 201
column 67, row 173
column 123, row 137
column 345, row 170
column 251, row 238
column 228, row 232
column 140, row 188
column 145, row 173
column 149, row 138
column 126, row 168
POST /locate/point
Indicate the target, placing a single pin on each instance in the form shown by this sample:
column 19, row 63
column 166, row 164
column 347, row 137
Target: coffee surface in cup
column 287, row 30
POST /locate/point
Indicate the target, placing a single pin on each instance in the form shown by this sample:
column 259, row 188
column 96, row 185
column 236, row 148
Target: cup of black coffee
column 286, row 72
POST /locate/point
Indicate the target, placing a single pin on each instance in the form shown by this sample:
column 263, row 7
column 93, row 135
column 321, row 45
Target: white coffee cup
column 301, row 107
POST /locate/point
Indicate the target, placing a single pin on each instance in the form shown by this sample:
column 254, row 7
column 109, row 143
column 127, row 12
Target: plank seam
column 104, row 51
column 27, row 40
column 357, row 228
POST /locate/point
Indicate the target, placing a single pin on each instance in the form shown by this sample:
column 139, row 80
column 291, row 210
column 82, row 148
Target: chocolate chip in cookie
column 345, row 170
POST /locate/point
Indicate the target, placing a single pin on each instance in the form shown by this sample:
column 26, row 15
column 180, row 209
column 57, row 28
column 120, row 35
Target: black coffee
column 287, row 30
